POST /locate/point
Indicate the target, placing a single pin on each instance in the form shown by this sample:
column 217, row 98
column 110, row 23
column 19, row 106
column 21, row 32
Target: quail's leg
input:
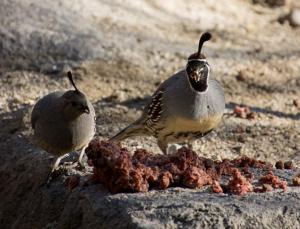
column 81, row 165
column 55, row 167
column 57, row 162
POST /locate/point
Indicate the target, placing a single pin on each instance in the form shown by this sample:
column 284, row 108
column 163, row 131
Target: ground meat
column 165, row 180
column 119, row 171
column 195, row 177
column 245, row 161
column 296, row 180
column 216, row 187
column 273, row 180
column 248, row 174
column 263, row 188
column 243, row 112
column 238, row 185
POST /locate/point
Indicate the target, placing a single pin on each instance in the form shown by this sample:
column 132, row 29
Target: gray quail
column 63, row 122
column 186, row 106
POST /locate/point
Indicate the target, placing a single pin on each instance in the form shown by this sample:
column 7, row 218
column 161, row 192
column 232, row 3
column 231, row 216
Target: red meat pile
column 120, row 171
column 243, row 112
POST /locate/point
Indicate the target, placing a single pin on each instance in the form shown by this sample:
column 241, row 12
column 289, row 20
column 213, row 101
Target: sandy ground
column 120, row 51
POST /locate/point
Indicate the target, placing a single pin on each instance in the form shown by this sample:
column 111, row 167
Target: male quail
column 185, row 107
column 63, row 122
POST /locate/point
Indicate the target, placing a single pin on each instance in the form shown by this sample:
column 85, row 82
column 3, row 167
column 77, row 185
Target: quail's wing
column 155, row 108
column 43, row 106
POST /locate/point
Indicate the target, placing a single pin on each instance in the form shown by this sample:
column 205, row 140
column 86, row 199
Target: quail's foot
column 55, row 173
column 67, row 164
column 79, row 165
column 56, row 169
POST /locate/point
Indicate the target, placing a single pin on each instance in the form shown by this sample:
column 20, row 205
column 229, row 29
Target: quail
column 186, row 106
column 63, row 122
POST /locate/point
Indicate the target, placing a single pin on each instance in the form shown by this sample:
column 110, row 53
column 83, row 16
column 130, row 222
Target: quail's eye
column 74, row 104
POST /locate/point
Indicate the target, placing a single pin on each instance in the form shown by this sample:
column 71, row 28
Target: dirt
column 119, row 52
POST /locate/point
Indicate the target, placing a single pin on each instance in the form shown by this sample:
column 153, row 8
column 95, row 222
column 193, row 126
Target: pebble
column 296, row 103
column 296, row 181
column 294, row 17
column 279, row 165
column 241, row 76
column 288, row 165
column 267, row 188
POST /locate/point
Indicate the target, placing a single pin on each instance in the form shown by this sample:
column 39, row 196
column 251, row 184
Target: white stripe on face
column 199, row 60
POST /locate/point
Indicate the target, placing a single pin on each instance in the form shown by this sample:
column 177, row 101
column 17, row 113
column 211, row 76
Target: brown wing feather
column 154, row 110
column 155, row 107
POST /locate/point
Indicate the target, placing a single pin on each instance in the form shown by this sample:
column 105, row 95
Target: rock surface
column 119, row 51
column 91, row 205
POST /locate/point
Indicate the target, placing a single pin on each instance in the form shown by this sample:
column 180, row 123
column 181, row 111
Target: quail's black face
column 198, row 72
column 197, row 68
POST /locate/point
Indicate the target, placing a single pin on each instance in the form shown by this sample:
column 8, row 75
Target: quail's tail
column 134, row 129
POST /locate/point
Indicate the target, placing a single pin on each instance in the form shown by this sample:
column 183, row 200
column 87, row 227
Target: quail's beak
column 197, row 75
column 86, row 109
